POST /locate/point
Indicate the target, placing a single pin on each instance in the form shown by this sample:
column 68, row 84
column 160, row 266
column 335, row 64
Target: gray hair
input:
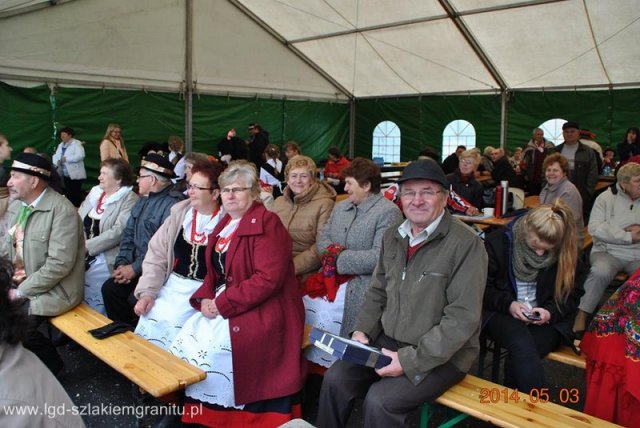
column 241, row 170
column 628, row 171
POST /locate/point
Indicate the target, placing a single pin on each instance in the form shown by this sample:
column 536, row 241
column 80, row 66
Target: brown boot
column 580, row 323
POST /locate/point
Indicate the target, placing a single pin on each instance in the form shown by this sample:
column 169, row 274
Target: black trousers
column 73, row 190
column 526, row 345
column 387, row 401
column 119, row 301
column 39, row 344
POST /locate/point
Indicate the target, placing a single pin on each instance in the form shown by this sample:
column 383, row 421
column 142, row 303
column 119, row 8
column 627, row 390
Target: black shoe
column 60, row 339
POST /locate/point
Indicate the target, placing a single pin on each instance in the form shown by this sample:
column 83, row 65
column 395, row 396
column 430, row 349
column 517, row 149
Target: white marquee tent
column 322, row 49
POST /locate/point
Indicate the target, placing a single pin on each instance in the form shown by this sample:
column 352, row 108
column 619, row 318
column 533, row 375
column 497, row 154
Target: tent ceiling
column 328, row 49
column 411, row 47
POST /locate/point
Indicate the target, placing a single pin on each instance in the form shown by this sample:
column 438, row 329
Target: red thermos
column 498, row 208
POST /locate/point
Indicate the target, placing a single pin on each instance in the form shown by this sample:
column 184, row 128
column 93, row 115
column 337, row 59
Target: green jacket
column 53, row 255
column 433, row 303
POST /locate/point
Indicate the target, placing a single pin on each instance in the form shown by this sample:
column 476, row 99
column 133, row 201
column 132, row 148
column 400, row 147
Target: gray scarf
column 526, row 263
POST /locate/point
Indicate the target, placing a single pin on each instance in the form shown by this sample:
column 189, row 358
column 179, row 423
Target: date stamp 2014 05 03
column 536, row 395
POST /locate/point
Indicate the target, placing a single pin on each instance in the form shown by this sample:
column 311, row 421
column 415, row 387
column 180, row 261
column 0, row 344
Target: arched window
column 386, row 142
column 553, row 130
column 457, row 133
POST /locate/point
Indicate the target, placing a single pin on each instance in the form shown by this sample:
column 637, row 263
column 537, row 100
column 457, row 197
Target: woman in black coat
column 534, row 285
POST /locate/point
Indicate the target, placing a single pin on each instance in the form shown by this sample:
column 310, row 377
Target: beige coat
column 53, row 255
column 112, row 224
column 25, row 381
column 109, row 150
column 304, row 216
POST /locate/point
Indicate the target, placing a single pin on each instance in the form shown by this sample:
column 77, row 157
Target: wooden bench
column 153, row 369
column 565, row 355
column 467, row 398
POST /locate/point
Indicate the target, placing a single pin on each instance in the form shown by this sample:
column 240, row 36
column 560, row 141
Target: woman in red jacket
column 247, row 334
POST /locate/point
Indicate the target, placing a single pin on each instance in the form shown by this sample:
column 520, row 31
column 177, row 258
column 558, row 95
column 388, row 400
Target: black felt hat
column 158, row 164
column 32, row 164
column 423, row 169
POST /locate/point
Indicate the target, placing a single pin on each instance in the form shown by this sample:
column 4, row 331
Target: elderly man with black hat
column 423, row 308
column 153, row 207
column 583, row 164
column 46, row 246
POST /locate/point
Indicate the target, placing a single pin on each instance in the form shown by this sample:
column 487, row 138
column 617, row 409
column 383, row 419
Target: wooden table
column 602, row 185
column 531, row 201
column 490, row 221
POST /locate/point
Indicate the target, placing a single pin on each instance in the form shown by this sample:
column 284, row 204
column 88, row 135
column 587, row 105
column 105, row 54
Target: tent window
column 553, row 130
column 386, row 142
column 457, row 133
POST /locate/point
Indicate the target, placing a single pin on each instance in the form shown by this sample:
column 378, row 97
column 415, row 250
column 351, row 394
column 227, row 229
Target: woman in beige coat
column 105, row 213
column 304, row 208
column 112, row 145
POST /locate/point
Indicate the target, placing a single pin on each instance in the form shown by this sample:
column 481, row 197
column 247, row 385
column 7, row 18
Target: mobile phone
column 532, row 316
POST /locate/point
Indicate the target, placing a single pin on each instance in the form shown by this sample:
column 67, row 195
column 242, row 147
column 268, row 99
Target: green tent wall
column 423, row 119
column 28, row 115
column 31, row 116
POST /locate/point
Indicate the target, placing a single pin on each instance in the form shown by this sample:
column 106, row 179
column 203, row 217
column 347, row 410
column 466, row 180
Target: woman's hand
column 472, row 211
column 545, row 316
column 209, row 309
column 144, row 305
column 517, row 311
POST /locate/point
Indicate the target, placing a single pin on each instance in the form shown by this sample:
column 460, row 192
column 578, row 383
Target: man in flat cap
column 153, row 207
column 583, row 164
column 46, row 245
column 423, row 308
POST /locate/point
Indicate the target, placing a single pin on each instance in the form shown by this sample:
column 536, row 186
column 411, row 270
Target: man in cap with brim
column 423, row 308
column 46, row 245
column 153, row 207
column 583, row 164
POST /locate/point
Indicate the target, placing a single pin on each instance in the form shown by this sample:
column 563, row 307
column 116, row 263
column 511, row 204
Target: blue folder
column 348, row 350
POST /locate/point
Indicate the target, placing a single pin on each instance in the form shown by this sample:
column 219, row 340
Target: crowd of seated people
column 199, row 266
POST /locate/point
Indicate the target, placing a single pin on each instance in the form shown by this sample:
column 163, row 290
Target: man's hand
column 14, row 294
column 634, row 229
column 144, row 305
column 394, row 369
column 359, row 336
column 124, row 274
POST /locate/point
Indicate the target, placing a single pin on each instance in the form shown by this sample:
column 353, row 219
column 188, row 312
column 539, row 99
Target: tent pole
column 352, row 127
column 188, row 71
column 503, row 120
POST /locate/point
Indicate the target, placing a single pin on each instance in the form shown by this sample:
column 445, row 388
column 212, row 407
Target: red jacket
column 263, row 304
column 336, row 167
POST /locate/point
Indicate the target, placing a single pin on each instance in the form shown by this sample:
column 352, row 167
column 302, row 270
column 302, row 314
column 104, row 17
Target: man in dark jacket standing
column 583, row 164
column 157, row 198
column 450, row 164
column 258, row 141
column 423, row 308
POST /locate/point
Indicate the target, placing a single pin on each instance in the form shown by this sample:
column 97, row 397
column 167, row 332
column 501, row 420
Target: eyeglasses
column 194, row 187
column 234, row 190
column 424, row 194
column 140, row 177
column 467, row 162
